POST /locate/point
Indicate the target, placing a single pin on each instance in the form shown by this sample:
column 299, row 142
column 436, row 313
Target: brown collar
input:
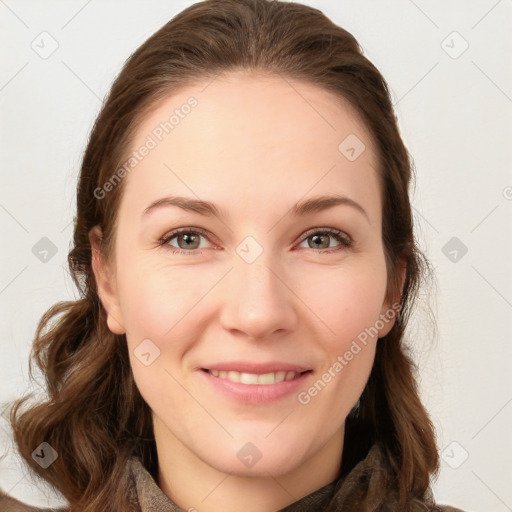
column 361, row 490
column 149, row 497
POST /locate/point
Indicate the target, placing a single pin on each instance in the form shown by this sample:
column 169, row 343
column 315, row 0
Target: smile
column 256, row 388
column 254, row 378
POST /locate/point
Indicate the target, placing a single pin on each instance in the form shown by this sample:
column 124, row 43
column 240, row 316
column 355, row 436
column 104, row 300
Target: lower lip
column 256, row 393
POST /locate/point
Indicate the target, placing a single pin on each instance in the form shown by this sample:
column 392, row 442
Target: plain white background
column 454, row 106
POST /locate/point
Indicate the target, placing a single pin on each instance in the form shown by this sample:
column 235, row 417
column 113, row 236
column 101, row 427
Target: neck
column 194, row 485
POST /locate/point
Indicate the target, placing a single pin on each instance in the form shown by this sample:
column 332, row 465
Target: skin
column 254, row 146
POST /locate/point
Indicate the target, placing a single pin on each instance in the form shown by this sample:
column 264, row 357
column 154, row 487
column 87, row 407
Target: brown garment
column 355, row 492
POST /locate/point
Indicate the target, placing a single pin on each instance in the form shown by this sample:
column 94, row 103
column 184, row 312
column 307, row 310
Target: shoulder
column 10, row 504
column 447, row 508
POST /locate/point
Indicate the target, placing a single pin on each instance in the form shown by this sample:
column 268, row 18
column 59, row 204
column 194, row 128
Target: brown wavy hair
column 94, row 415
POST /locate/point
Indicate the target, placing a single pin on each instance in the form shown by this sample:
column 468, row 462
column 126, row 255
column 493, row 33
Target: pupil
column 188, row 239
column 316, row 239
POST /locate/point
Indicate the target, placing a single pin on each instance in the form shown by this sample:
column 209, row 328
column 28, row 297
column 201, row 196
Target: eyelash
column 341, row 237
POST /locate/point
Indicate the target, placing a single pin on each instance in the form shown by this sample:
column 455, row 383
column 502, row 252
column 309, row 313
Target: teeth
column 253, row 378
column 279, row 376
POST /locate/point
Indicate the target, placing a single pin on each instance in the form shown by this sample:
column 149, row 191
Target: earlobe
column 105, row 282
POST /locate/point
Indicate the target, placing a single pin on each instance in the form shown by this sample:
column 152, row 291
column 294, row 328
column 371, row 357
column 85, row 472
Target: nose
column 257, row 301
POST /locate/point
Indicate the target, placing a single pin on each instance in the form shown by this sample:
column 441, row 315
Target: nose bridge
column 259, row 279
column 257, row 301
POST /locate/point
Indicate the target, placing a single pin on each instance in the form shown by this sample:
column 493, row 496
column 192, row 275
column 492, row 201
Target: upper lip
column 257, row 368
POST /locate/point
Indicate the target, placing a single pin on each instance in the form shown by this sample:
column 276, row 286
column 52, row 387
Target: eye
column 320, row 240
column 187, row 239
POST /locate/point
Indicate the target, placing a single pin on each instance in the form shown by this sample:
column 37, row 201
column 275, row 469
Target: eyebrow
column 302, row 208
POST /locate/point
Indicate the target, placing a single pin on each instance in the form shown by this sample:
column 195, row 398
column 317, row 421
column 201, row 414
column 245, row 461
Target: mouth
column 256, row 378
column 248, row 388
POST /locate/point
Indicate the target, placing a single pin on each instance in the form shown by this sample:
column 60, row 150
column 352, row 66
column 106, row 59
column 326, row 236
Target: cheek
column 156, row 296
column 159, row 300
column 349, row 305
column 159, row 303
column 346, row 301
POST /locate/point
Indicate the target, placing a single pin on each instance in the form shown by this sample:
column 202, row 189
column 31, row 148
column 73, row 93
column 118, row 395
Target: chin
column 256, row 458
column 275, row 466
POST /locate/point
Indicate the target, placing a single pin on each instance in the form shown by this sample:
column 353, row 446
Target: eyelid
column 188, row 229
column 344, row 238
column 330, row 231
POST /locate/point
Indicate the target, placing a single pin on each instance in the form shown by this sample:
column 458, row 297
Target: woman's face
column 256, row 288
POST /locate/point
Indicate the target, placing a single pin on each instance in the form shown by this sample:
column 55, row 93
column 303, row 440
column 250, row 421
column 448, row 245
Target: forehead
column 246, row 137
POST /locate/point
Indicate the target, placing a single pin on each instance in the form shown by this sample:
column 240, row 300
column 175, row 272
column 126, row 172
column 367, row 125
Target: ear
column 106, row 283
column 389, row 311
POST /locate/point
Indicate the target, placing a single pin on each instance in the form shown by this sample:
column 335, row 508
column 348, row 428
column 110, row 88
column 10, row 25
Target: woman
column 245, row 253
